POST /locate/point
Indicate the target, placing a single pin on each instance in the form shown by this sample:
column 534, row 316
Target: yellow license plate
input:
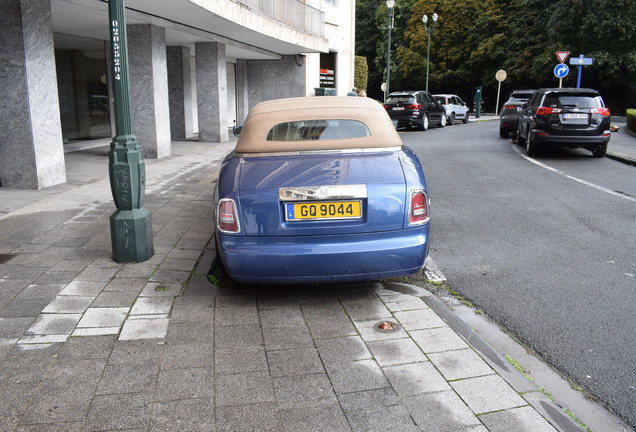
column 323, row 210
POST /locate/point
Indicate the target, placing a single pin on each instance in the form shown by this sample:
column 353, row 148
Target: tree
column 361, row 73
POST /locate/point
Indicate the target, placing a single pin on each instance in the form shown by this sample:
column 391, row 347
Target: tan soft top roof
column 267, row 114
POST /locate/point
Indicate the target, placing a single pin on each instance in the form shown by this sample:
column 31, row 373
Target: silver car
column 455, row 107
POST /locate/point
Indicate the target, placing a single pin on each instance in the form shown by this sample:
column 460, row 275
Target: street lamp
column 389, row 4
column 429, row 30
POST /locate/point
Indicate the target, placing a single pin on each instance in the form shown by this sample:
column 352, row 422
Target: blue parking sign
column 561, row 70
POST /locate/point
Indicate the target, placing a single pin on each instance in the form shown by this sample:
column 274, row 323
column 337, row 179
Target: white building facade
column 196, row 68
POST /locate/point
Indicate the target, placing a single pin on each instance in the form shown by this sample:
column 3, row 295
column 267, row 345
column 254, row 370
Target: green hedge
column 631, row 120
column 361, row 73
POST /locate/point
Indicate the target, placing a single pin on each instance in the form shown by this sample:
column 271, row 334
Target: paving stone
column 438, row 339
column 120, row 411
column 87, row 348
column 114, row 299
column 460, row 364
column 40, row 292
column 103, row 317
column 415, row 378
column 281, row 317
column 183, row 355
column 189, row 415
column 243, row 388
column 287, row 338
column 242, row 336
column 129, row 378
column 367, row 309
column 239, row 360
column 304, row 391
column 83, row 288
column 54, row 324
column 170, row 276
column 487, row 394
column 74, row 373
column 441, row 412
column 151, row 305
column 262, row 417
column 97, row 274
column 396, row 351
column 24, row 308
column 370, row 330
column 342, row 349
column 524, row 419
column 180, row 264
column 236, row 315
column 136, row 352
column 368, row 399
column 58, row 405
column 404, row 303
column 419, row 319
column 127, row 284
column 144, row 329
column 315, row 419
column 160, row 289
column 56, row 277
column 356, row 376
column 381, row 419
column 190, row 333
column 331, row 327
column 300, row 361
column 68, row 304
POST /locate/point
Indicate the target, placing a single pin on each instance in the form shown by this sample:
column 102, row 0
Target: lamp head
column 424, row 19
column 435, row 17
column 390, row 4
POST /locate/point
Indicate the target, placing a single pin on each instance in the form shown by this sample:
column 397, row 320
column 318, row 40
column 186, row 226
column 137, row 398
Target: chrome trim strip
column 316, row 193
column 317, row 152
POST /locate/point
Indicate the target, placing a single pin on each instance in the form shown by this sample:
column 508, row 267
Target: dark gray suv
column 417, row 108
column 565, row 117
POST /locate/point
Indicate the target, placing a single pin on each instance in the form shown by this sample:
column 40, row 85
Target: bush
column 631, row 120
column 360, row 73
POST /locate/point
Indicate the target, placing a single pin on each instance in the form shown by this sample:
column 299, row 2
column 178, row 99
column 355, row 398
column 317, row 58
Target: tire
column 520, row 141
column 531, row 147
column 503, row 132
column 424, row 122
column 466, row 117
column 451, row 119
column 600, row 151
column 442, row 121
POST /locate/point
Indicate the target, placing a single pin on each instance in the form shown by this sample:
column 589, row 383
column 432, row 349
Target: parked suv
column 456, row 108
column 565, row 117
column 417, row 108
column 510, row 112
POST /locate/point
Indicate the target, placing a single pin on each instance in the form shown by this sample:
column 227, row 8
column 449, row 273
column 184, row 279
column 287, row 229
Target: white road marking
column 586, row 183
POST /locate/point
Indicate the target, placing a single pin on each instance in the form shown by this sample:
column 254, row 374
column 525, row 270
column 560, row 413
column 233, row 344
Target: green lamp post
column 130, row 225
column 428, row 30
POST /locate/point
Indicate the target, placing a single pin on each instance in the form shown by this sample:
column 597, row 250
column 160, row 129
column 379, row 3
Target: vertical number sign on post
column 130, row 225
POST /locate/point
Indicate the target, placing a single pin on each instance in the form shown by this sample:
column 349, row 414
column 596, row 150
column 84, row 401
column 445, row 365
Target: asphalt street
column 544, row 246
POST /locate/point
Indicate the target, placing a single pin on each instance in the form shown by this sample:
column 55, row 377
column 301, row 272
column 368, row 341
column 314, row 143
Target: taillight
column 547, row 110
column 605, row 112
column 414, row 106
column 510, row 107
column 227, row 216
column 418, row 211
column 386, row 107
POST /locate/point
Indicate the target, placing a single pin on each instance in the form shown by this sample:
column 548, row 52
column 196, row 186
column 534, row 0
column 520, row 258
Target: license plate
column 323, row 210
column 571, row 116
column 398, row 108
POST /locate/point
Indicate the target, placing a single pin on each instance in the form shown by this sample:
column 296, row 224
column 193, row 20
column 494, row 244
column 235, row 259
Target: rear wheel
column 451, row 119
column 442, row 121
column 466, row 117
column 520, row 140
column 425, row 122
column 503, row 132
column 531, row 147
column 600, row 151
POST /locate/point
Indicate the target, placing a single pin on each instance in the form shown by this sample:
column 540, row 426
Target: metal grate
column 5, row 257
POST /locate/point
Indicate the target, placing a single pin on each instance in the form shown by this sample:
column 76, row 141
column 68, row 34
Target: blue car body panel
column 269, row 249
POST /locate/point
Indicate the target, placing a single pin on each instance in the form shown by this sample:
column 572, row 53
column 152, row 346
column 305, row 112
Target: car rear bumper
column 324, row 259
column 408, row 120
column 540, row 137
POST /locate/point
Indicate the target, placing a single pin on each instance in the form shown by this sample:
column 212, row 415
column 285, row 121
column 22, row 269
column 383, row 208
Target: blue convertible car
column 320, row 190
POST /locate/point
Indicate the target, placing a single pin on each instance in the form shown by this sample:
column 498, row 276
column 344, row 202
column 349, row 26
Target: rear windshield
column 520, row 95
column 440, row 99
column 401, row 98
column 572, row 101
column 318, row 130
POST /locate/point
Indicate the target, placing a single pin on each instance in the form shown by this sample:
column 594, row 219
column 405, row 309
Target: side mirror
column 236, row 130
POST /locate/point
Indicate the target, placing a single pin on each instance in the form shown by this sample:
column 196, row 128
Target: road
column 546, row 247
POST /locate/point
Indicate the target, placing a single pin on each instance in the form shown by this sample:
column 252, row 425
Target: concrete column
column 211, row 77
column 241, row 91
column 264, row 83
column 180, row 92
column 149, row 88
column 31, row 150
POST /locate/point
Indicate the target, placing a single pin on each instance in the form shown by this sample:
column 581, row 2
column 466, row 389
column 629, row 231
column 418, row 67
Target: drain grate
column 5, row 257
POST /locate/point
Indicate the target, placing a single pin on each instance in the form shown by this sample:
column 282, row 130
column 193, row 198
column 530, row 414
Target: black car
column 565, row 117
column 416, row 108
column 510, row 111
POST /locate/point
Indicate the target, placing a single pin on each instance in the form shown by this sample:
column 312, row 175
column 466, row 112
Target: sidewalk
column 90, row 344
